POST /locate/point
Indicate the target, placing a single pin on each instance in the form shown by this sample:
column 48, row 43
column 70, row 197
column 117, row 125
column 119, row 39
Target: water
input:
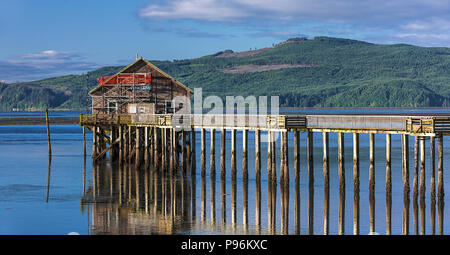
column 84, row 201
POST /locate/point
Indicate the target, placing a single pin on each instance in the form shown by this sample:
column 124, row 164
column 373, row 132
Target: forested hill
column 316, row 72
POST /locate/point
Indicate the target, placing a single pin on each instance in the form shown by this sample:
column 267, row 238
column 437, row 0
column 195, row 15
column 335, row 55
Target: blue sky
column 47, row 38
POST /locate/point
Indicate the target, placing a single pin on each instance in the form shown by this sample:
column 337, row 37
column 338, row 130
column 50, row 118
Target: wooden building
column 140, row 88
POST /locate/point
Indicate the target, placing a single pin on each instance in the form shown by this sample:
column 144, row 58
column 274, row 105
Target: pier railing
column 421, row 125
column 244, row 121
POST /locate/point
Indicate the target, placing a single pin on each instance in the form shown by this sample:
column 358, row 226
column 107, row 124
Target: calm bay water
column 24, row 183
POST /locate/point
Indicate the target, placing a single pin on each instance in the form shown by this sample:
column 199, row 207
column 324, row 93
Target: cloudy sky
column 46, row 38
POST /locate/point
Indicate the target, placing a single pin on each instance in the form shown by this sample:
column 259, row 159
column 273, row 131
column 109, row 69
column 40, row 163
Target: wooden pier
column 166, row 143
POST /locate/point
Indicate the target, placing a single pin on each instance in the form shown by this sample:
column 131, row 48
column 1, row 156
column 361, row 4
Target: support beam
column 212, row 158
column 297, row 155
column 406, row 186
column 341, row 173
column 244, row 154
column 310, row 156
column 203, row 155
column 257, row 154
column 233, row 154
column 422, row 185
column 326, row 183
column 355, row 183
column 372, row 181
column 433, row 185
column 223, row 146
column 388, row 185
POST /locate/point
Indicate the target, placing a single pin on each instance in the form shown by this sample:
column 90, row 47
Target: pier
column 166, row 144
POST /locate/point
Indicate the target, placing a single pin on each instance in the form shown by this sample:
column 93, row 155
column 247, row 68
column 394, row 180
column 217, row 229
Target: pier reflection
column 124, row 199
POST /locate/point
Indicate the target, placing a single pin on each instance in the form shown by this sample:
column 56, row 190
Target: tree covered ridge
column 346, row 73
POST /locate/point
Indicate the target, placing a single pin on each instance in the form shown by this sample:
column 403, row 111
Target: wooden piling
column 297, row 155
column 388, row 185
column 274, row 159
column 269, row 155
column 155, row 148
column 310, row 156
column 355, row 183
column 47, row 123
column 341, row 173
column 193, row 154
column 183, row 152
column 406, row 186
column 94, row 142
column 326, row 183
column 432, row 186
column 286, row 159
column 212, row 158
column 233, row 154
column 203, row 148
column 282, row 158
column 422, row 184
column 372, row 182
column 223, row 146
column 416, row 186
column 244, row 154
column 257, row 154
column 440, row 189
column 84, row 141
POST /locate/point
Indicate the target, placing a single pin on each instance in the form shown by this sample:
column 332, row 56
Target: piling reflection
column 125, row 199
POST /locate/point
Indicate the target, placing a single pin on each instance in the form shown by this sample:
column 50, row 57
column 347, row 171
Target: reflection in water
column 125, row 199
column 48, row 178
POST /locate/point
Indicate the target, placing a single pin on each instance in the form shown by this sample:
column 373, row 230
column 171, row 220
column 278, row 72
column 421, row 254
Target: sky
column 45, row 38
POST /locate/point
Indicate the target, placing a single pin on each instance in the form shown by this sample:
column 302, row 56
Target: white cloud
column 210, row 10
column 393, row 17
column 48, row 63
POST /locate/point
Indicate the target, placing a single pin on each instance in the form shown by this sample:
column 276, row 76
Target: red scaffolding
column 132, row 78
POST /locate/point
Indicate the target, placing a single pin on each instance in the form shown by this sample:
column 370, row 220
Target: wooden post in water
column 310, row 156
column 47, row 123
column 432, row 185
column 94, row 142
column 282, row 159
column 286, row 159
column 406, row 187
column 355, row 183
column 297, row 155
column 326, row 183
column 146, row 146
column 183, row 152
column 257, row 154
column 212, row 158
column 155, row 148
column 84, row 141
column 138, row 147
column 440, row 188
column 172, row 151
column 274, row 159
column 372, row 181
column 233, row 154
column 422, row 184
column 388, row 185
column 341, row 172
column 244, row 154
column 120, row 143
column 193, row 155
column 416, row 185
column 269, row 155
column 203, row 148
column 223, row 146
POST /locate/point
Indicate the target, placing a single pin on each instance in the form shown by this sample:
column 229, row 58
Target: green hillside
column 338, row 72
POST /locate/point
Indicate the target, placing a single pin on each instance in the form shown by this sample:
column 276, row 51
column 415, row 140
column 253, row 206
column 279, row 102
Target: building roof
column 147, row 63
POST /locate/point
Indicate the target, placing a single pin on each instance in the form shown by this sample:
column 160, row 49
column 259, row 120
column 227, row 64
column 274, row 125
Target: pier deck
column 167, row 144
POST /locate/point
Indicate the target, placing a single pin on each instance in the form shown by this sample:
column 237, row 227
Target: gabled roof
column 147, row 63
